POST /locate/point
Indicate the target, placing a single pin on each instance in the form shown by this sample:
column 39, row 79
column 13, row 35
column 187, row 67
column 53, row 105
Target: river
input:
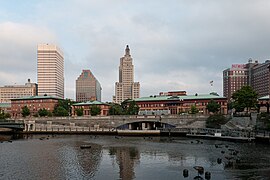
column 114, row 157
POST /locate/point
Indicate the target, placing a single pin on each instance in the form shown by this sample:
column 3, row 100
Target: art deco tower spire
column 126, row 88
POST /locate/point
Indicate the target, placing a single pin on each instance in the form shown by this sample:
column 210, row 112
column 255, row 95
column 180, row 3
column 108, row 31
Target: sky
column 175, row 44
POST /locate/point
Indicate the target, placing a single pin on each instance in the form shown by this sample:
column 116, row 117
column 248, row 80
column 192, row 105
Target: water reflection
column 126, row 158
column 60, row 157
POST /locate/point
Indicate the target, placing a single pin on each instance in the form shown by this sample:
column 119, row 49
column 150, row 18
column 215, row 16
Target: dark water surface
column 60, row 157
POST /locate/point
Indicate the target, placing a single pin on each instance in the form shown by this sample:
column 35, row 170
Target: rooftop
column 35, row 97
column 89, row 103
column 187, row 97
column 5, row 105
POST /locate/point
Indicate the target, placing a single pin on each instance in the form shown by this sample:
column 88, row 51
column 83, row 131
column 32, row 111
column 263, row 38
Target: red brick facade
column 34, row 104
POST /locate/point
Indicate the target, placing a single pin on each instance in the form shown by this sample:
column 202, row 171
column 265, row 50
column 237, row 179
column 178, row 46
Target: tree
column 243, row 98
column 79, row 111
column 129, row 107
column 115, row 109
column 213, row 106
column 25, row 111
column 124, row 106
column 66, row 103
column 60, row 111
column 216, row 121
column 2, row 115
column 63, row 108
column 194, row 110
column 132, row 108
column 43, row 112
column 95, row 110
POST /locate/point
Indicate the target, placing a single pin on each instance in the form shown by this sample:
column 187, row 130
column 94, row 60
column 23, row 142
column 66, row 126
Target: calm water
column 60, row 157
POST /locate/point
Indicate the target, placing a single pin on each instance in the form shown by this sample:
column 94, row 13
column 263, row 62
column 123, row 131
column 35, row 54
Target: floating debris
column 219, row 160
column 207, row 175
column 185, row 173
column 85, row 146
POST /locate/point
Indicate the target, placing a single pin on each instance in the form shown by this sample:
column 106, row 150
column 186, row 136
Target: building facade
column 126, row 88
column 34, row 103
column 234, row 78
column 87, row 87
column 260, row 78
column 86, row 106
column 17, row 91
column 254, row 74
column 50, row 70
column 163, row 105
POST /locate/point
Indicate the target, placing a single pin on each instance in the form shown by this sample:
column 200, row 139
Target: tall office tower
column 261, row 78
column 126, row 88
column 50, row 70
column 87, row 87
column 234, row 78
column 17, row 91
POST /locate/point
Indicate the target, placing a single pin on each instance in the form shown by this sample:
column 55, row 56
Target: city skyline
column 180, row 45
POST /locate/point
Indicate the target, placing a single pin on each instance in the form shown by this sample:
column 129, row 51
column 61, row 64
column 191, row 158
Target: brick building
column 179, row 104
column 86, row 106
column 34, row 103
column 254, row 74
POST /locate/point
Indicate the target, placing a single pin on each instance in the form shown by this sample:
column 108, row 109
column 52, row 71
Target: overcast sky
column 175, row 44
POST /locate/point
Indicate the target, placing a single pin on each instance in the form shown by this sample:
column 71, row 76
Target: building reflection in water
column 80, row 163
column 126, row 158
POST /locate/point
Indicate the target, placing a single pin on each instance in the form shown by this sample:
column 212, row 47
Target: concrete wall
column 115, row 121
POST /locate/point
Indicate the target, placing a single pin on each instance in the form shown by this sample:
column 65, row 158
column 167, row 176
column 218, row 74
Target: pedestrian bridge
column 15, row 126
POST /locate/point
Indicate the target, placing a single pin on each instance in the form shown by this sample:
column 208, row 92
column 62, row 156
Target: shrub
column 215, row 121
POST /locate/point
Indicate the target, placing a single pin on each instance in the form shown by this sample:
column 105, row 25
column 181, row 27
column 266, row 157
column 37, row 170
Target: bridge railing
column 11, row 121
column 210, row 131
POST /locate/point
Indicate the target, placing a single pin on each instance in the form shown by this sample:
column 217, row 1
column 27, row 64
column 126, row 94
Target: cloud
column 176, row 45
column 18, row 49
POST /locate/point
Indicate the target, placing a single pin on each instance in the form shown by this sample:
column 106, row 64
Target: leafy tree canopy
column 43, row 112
column 66, row 103
column 95, row 110
column 194, row 110
column 115, row 109
column 60, row 111
column 79, row 111
column 243, row 98
column 132, row 108
column 213, row 106
column 25, row 111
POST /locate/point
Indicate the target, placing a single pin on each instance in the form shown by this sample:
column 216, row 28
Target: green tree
column 124, row 106
column 63, row 108
column 244, row 98
column 132, row 108
column 50, row 114
column 43, row 112
column 115, row 109
column 25, row 111
column 79, row 111
column 194, row 110
column 65, row 103
column 215, row 121
column 60, row 111
column 2, row 115
column 95, row 110
column 7, row 115
column 213, row 106
column 129, row 107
